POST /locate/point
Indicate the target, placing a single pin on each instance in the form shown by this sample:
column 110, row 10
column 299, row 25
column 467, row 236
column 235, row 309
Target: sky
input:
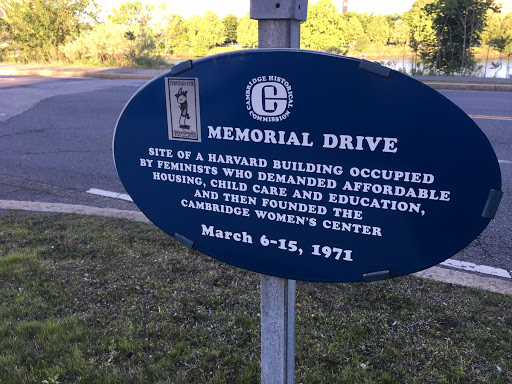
column 383, row 7
column 240, row 8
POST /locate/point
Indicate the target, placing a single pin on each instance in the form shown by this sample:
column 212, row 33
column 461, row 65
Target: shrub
column 111, row 44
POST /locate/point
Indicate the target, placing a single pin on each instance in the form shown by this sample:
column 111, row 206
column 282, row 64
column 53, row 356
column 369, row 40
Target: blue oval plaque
column 306, row 165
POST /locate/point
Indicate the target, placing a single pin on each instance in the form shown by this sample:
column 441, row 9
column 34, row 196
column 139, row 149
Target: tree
column 458, row 26
column 420, row 26
column 504, row 41
column 198, row 41
column 136, row 18
column 230, row 26
column 35, row 30
column 247, row 32
column 491, row 31
column 506, row 27
column 378, row 31
column 214, row 27
column 159, row 22
column 365, row 19
column 323, row 29
column 400, row 35
column 4, row 34
column 362, row 43
column 130, row 14
column 204, row 33
column 491, row 37
column 176, row 39
column 353, row 30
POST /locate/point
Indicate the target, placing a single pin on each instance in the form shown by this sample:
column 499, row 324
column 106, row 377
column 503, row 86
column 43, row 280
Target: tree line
column 442, row 33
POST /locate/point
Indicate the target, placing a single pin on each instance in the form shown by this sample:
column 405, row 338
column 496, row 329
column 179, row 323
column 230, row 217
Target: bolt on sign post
column 303, row 165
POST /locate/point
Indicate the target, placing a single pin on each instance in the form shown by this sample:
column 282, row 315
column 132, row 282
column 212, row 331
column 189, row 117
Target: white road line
column 476, row 268
column 504, row 161
column 485, row 117
column 114, row 195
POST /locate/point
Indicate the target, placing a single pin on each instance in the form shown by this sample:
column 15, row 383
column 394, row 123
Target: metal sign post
column 278, row 27
column 224, row 153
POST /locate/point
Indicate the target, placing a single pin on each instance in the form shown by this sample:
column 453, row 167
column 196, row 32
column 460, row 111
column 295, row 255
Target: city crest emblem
column 269, row 98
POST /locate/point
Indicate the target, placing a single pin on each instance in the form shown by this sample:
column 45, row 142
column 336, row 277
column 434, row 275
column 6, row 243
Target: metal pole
column 278, row 27
column 279, row 34
column 277, row 330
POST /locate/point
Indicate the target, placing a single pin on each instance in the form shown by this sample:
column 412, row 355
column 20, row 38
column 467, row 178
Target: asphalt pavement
column 68, row 199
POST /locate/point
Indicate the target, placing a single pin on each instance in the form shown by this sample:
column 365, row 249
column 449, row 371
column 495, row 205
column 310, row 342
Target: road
column 56, row 135
column 492, row 111
column 56, row 138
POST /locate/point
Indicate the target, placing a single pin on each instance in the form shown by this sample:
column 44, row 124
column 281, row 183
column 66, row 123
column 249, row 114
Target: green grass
column 97, row 300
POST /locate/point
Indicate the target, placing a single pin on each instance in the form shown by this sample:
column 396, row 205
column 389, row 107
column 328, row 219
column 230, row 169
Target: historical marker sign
column 306, row 165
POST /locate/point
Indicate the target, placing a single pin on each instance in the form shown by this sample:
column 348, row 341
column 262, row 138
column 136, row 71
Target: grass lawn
column 99, row 300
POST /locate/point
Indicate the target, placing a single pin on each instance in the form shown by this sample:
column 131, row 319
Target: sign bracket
column 183, row 240
column 375, row 68
column 493, row 202
column 181, row 67
column 376, row 276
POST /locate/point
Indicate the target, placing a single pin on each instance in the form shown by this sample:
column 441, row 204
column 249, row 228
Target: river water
column 495, row 67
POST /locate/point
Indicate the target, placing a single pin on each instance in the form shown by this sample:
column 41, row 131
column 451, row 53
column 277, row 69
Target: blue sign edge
column 187, row 65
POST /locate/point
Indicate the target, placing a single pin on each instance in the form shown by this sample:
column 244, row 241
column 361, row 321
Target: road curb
column 121, row 76
column 440, row 274
column 70, row 74
column 104, row 74
column 469, row 86
column 15, row 205
column 466, row 279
